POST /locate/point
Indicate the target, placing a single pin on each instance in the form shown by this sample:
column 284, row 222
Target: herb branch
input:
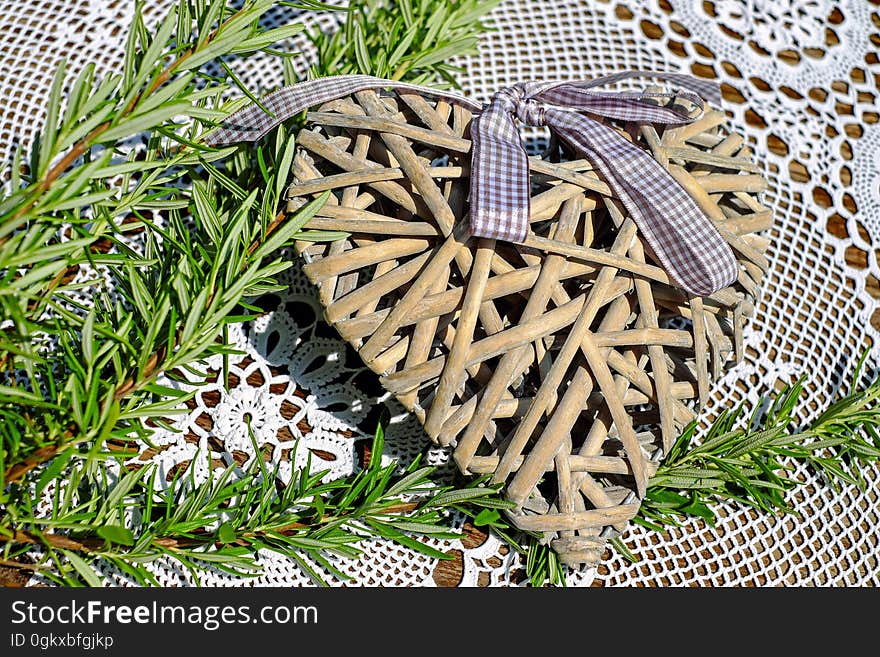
column 223, row 520
column 750, row 464
column 410, row 40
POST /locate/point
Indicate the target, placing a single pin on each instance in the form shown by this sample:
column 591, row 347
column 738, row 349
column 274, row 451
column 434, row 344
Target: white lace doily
column 801, row 83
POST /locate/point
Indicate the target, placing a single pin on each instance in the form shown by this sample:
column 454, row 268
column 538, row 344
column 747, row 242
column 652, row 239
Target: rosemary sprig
column 159, row 82
column 224, row 521
column 83, row 185
column 750, row 464
column 410, row 40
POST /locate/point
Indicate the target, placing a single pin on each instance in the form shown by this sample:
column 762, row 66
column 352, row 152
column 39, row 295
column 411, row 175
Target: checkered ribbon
column 682, row 238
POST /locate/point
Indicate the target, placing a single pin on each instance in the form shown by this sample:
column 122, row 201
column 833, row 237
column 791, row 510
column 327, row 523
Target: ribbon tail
column 709, row 90
column 253, row 122
column 685, row 241
column 500, row 189
column 631, row 105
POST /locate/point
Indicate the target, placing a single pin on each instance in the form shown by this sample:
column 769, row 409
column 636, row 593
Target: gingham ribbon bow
column 683, row 239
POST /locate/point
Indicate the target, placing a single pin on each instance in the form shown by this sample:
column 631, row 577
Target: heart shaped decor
column 563, row 365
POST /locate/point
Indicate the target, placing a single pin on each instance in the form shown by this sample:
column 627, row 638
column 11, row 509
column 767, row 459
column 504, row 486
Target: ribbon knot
column 686, row 242
column 517, row 100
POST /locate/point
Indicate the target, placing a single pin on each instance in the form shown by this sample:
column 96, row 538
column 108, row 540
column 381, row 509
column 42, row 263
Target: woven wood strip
column 565, row 366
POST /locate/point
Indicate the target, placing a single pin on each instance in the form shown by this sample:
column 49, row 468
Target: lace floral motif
column 773, row 25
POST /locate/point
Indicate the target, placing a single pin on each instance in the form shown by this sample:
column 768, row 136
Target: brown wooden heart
column 563, row 366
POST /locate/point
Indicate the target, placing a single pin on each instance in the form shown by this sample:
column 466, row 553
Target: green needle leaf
column 82, row 568
column 116, row 534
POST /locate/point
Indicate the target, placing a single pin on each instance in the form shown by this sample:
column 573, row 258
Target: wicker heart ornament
column 563, row 364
